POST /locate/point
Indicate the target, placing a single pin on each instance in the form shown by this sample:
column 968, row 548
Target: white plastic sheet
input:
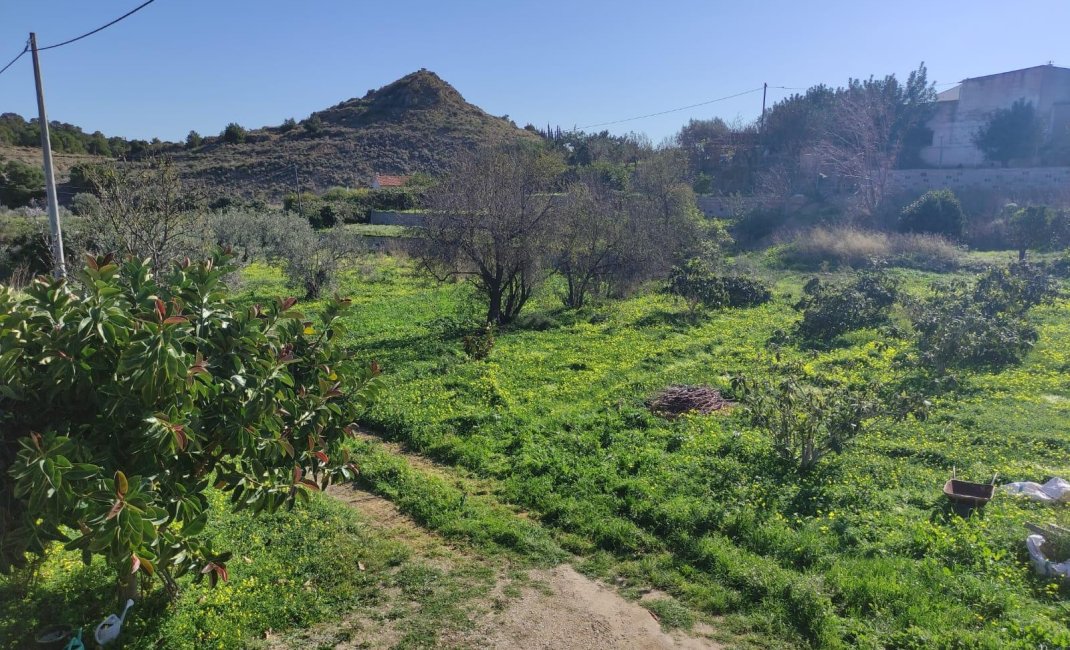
column 1055, row 490
column 1044, row 565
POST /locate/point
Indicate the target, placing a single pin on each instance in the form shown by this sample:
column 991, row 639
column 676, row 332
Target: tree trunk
column 127, row 586
column 494, row 307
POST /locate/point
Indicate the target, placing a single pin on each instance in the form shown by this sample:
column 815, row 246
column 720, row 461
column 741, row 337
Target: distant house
column 380, row 181
column 962, row 110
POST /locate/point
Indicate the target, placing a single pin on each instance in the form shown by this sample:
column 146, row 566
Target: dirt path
column 574, row 612
column 527, row 609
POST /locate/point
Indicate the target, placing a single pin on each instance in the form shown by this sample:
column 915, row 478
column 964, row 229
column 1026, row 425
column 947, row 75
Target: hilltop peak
column 422, row 90
column 422, row 87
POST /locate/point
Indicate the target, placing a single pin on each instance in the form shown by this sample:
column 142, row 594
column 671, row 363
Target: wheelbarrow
column 965, row 497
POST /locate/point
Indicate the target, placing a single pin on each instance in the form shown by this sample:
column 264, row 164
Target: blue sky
column 198, row 64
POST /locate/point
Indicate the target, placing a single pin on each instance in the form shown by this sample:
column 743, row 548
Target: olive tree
column 146, row 211
column 310, row 258
column 491, row 221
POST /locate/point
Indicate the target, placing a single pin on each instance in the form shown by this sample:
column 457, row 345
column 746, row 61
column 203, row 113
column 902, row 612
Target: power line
column 25, row 49
column 671, row 110
column 101, row 28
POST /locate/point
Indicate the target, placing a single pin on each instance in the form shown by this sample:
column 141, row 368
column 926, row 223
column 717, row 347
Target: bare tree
column 594, row 228
column 662, row 178
column 859, row 147
column 607, row 241
column 490, row 222
column 145, row 211
column 864, row 138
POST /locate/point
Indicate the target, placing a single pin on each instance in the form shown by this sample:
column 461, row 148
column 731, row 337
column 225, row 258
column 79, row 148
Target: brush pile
column 675, row 401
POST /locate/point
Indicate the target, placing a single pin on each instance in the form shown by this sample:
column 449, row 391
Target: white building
column 962, row 110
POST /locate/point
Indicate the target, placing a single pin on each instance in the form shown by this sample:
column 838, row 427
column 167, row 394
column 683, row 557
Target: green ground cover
column 379, row 230
column 289, row 569
column 861, row 552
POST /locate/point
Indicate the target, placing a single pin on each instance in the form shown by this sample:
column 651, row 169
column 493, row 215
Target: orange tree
column 124, row 396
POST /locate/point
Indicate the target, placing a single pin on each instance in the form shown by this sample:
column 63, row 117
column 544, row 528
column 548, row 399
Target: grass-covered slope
column 861, row 552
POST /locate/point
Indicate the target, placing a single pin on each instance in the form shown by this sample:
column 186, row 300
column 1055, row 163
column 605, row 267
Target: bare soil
column 526, row 609
column 573, row 611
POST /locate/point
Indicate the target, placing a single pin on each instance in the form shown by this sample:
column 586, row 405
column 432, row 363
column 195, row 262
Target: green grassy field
column 378, row 230
column 862, row 552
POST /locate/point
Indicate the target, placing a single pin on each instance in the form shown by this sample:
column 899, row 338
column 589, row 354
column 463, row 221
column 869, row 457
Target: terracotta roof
column 390, row 181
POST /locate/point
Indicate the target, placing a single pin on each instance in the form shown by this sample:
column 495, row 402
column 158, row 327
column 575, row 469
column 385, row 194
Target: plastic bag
column 1055, row 490
column 1044, row 565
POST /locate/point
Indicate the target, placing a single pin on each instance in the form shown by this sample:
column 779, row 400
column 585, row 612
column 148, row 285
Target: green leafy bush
column 21, row 184
column 955, row 331
column 699, row 286
column 345, row 205
column 804, row 421
column 313, row 125
column 158, row 387
column 85, row 204
column 937, row 212
column 234, row 133
column 1015, row 288
column 743, row 291
column 830, row 310
column 758, row 224
column 985, row 324
column 479, row 344
column 24, row 255
column 1039, row 228
column 537, row 322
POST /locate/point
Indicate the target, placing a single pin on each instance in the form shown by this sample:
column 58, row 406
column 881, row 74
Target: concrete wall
column 1010, row 182
column 381, row 218
column 957, row 120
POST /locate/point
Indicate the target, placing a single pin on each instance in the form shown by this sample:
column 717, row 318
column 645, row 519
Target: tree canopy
column 1010, row 133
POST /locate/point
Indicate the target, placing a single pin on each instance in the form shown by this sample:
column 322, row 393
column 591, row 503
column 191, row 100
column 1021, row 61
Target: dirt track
column 558, row 608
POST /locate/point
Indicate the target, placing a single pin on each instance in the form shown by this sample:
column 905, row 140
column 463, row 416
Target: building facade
column 962, row 110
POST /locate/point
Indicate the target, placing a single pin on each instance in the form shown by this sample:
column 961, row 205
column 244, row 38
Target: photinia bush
column 123, row 397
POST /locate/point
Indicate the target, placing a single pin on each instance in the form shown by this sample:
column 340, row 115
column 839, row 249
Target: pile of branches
column 675, row 401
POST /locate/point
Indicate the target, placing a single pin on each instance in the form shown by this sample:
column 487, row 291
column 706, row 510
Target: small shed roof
column 386, row 180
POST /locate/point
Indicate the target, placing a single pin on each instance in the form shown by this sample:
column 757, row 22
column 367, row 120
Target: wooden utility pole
column 60, row 269
column 761, row 125
column 297, row 190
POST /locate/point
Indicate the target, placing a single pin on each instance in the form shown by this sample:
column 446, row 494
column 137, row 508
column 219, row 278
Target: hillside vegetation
column 417, row 123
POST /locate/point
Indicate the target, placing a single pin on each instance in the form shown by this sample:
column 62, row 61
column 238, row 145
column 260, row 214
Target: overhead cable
column 101, row 28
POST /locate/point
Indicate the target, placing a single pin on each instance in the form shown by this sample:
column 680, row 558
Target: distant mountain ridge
column 418, row 123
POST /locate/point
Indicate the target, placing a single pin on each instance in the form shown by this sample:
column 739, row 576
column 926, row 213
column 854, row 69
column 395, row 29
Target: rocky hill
column 417, row 123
